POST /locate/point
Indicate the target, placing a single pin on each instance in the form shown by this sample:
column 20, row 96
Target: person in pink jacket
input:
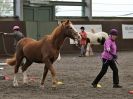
column 109, row 56
column 83, row 41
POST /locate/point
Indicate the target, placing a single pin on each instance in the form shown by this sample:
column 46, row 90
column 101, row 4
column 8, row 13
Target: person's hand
column 5, row 33
column 115, row 57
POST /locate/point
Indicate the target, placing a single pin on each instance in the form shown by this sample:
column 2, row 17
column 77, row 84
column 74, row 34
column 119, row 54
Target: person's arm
column 113, row 55
column 5, row 33
column 1, row 32
column 108, row 45
column 10, row 34
column 84, row 36
column 108, row 49
column 81, row 34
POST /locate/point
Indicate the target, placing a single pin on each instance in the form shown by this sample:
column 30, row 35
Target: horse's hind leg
column 16, row 68
column 59, row 57
column 24, row 68
column 89, row 50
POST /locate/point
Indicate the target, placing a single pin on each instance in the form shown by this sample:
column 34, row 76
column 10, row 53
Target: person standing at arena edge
column 109, row 57
column 16, row 34
column 83, row 41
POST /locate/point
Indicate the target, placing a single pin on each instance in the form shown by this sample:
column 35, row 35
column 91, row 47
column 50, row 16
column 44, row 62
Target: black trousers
column 106, row 64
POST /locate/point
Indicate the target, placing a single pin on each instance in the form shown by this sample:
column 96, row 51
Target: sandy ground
column 77, row 74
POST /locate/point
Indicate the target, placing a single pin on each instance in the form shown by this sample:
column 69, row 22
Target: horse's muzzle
column 77, row 37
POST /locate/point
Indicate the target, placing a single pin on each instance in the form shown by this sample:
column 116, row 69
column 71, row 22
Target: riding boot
column 117, row 86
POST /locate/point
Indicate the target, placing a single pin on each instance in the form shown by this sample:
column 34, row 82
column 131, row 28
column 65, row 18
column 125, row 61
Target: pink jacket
column 83, row 38
column 109, row 48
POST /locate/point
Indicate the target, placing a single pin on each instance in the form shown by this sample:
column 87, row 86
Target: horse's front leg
column 44, row 75
column 49, row 66
column 53, row 73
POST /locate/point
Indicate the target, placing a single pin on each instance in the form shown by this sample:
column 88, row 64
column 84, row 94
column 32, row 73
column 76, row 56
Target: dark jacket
column 17, row 36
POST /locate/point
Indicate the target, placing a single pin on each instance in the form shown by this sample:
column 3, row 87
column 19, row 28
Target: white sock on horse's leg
column 53, row 74
column 15, row 82
column 25, row 77
column 91, row 51
column 87, row 50
column 59, row 57
column 87, row 53
column 54, row 81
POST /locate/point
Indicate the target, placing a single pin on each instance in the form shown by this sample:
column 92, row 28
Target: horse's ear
column 67, row 22
column 59, row 22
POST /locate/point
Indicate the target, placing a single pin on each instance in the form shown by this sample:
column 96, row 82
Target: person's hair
column 16, row 29
column 82, row 28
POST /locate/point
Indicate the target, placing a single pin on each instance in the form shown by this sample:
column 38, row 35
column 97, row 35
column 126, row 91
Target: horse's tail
column 11, row 61
column 19, row 52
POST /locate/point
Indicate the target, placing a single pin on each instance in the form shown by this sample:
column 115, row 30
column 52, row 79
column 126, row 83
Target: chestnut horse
column 44, row 51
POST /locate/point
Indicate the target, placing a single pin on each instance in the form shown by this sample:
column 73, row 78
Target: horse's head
column 70, row 31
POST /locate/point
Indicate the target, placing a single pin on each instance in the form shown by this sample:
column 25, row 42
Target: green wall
column 36, row 30
column 44, row 14
column 39, row 20
column 31, row 29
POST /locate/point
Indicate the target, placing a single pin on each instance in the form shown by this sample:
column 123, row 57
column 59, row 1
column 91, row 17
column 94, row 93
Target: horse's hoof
column 15, row 84
column 25, row 81
column 54, row 86
column 42, row 86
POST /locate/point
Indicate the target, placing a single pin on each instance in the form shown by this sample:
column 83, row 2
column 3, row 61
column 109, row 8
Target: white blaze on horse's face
column 79, row 37
column 73, row 27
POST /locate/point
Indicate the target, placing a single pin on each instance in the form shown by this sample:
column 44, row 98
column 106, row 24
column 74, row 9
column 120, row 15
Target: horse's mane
column 52, row 35
column 56, row 31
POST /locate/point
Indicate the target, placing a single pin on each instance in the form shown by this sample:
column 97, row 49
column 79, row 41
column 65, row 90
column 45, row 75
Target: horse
column 46, row 51
column 95, row 39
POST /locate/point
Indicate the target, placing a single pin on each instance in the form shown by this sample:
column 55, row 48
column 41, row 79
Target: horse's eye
column 70, row 28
